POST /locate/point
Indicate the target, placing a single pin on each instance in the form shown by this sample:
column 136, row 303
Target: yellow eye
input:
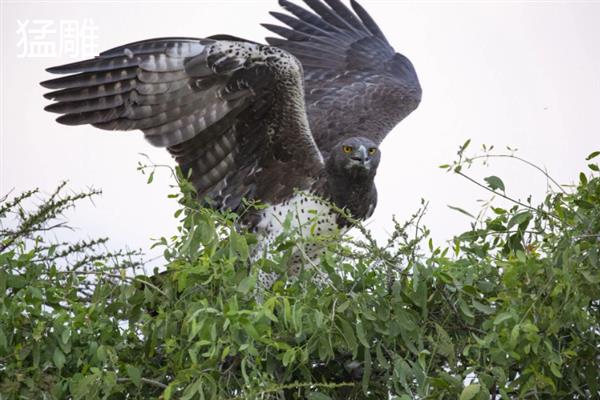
column 347, row 149
column 372, row 151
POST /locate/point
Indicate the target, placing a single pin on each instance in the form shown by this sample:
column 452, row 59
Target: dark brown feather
column 355, row 83
column 230, row 112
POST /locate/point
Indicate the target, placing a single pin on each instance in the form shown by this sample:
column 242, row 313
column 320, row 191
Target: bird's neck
column 352, row 191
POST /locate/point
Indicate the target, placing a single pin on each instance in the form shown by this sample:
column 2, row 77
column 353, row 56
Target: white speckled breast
column 310, row 218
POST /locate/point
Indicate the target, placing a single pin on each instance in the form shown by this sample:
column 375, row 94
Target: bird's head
column 357, row 156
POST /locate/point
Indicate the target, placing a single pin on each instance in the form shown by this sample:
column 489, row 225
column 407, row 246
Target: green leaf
column 465, row 308
column 591, row 278
column 344, row 306
column 514, row 335
column 460, row 210
column 380, row 357
column 349, row 336
column 495, row 183
column 269, row 314
column 59, row 358
column 288, row 357
column 366, row 378
column 505, row 316
column 360, row 332
column 464, row 146
column 3, row 341
column 101, row 353
column 16, row 281
column 519, row 219
column 484, row 308
column 594, row 167
column 65, row 336
column 592, row 155
column 168, row 392
column 247, row 284
column 287, row 311
column 555, row 370
column 251, row 331
column 239, row 245
column 134, row 374
column 470, row 392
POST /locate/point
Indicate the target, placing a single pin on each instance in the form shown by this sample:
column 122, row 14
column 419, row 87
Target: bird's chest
column 310, row 224
column 302, row 215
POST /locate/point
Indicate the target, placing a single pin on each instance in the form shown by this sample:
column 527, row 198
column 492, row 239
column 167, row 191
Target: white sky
column 523, row 74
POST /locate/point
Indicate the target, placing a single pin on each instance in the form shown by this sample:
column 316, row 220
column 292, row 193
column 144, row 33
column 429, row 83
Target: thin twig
column 505, row 196
column 102, row 274
column 145, row 380
column 546, row 174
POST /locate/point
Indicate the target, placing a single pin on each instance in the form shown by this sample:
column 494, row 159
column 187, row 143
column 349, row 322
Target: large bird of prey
column 284, row 123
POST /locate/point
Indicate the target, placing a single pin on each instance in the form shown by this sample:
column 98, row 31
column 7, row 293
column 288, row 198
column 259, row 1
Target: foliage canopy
column 508, row 309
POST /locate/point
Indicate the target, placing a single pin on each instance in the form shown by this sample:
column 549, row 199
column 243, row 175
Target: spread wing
column 232, row 112
column 356, row 84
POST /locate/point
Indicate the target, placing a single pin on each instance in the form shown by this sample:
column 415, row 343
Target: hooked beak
column 361, row 157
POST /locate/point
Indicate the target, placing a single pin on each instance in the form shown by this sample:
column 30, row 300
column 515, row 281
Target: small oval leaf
column 495, row 183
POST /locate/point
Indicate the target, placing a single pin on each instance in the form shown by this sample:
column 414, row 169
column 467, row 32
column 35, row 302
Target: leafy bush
column 509, row 310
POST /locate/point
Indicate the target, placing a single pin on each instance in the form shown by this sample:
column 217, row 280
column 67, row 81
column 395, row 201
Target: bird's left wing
column 356, row 83
column 232, row 112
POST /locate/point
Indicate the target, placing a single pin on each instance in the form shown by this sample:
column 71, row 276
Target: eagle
column 295, row 123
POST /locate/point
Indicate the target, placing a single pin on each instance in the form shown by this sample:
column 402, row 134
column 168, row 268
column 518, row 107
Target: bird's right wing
column 232, row 112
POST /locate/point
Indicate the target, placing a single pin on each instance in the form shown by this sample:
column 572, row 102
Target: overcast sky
column 522, row 74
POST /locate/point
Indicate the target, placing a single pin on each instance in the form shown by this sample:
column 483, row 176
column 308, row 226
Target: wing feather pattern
column 231, row 112
column 355, row 82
